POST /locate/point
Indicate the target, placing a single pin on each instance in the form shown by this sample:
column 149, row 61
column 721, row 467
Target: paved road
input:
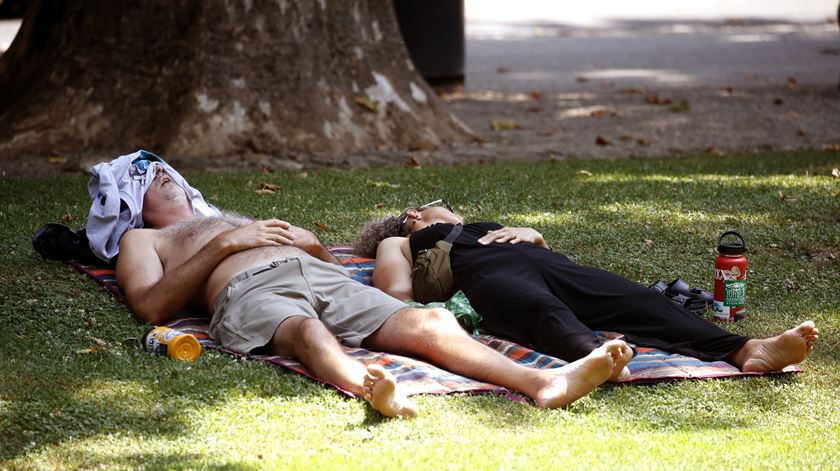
column 551, row 45
column 602, row 13
column 705, row 56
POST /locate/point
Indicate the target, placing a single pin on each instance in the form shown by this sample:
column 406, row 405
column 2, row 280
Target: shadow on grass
column 39, row 412
column 55, row 388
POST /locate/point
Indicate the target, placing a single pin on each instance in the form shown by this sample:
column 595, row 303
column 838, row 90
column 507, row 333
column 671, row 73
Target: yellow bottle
column 172, row 343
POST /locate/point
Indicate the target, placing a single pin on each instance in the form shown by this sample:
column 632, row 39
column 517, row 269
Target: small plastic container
column 172, row 343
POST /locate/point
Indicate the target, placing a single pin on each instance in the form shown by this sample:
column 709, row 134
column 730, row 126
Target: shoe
column 694, row 299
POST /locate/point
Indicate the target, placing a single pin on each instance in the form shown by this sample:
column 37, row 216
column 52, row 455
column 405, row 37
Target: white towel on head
column 117, row 189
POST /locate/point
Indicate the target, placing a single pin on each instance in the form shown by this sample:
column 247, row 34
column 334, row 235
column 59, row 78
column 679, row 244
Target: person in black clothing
column 539, row 298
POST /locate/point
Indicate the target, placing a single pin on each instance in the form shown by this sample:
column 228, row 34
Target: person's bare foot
column 775, row 353
column 381, row 391
column 621, row 358
column 577, row 379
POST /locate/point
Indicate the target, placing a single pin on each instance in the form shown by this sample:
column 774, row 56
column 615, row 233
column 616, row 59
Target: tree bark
column 199, row 81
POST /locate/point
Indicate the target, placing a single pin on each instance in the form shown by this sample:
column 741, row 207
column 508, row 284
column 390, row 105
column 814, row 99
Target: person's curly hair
column 375, row 232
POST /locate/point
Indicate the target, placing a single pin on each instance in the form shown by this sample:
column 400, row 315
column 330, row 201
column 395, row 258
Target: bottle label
column 734, row 292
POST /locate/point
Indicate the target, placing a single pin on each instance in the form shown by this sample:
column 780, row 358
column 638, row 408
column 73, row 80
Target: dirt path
column 611, row 123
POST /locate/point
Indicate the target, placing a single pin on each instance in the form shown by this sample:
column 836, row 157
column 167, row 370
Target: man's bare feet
column 775, row 353
column 381, row 391
column 575, row 380
column 621, row 357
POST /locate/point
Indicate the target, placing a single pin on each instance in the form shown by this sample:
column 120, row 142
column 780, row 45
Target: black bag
column 431, row 276
column 59, row 242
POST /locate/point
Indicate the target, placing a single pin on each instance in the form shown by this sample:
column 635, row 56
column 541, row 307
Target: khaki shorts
column 252, row 306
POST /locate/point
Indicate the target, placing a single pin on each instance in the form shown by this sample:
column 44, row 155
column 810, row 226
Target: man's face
column 164, row 198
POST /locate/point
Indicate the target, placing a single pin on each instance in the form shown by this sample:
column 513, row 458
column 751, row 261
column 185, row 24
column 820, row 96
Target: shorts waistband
column 248, row 274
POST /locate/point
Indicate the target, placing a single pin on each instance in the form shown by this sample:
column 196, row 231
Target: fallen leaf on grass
column 378, row 184
column 680, row 107
column 791, row 285
column 835, row 172
column 267, row 189
column 86, row 351
column 784, row 197
column 600, row 141
column 379, row 205
column 321, row 225
column 656, row 100
column 362, row 99
column 67, row 218
column 648, row 241
column 585, row 173
column 712, row 150
column 412, row 162
column 504, row 124
column 269, row 186
column 99, row 342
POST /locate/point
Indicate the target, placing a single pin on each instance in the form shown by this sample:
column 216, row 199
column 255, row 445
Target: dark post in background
column 433, row 31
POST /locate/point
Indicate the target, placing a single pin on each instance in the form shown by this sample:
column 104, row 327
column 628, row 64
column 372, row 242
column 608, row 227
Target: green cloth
column 459, row 305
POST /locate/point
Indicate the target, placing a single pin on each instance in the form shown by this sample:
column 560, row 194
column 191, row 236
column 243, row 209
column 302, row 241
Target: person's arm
column 392, row 273
column 514, row 235
column 155, row 294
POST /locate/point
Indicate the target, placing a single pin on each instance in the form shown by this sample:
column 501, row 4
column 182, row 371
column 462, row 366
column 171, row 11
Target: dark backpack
column 59, row 242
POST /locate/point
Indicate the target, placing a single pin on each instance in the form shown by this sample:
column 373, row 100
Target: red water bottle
column 730, row 279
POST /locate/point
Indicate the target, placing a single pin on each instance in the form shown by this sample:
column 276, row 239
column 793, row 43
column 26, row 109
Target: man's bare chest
column 179, row 243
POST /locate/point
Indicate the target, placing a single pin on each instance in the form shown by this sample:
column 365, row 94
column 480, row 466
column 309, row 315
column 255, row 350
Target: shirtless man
column 272, row 286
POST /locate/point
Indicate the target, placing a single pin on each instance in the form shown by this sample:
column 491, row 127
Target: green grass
column 64, row 407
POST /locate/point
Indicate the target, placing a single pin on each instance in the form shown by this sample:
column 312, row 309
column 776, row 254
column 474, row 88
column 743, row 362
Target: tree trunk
column 206, row 82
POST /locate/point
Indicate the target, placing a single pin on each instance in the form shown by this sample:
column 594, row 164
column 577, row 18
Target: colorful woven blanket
column 418, row 377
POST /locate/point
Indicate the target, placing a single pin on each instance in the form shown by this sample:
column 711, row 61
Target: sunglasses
column 436, row 203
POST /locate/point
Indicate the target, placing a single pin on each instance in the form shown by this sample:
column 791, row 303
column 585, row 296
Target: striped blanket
column 418, row 377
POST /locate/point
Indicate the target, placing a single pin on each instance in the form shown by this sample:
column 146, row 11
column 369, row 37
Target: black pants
column 545, row 301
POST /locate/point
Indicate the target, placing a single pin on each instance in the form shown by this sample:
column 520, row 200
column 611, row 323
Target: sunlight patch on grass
column 648, row 213
column 746, row 181
column 543, row 219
